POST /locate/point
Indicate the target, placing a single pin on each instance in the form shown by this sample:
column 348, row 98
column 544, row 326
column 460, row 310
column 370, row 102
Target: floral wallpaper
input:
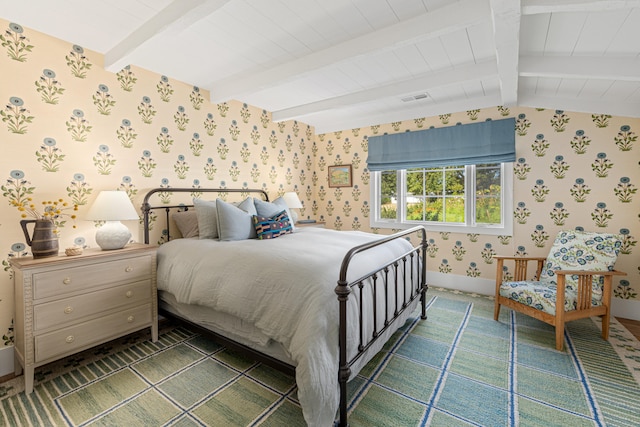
column 573, row 170
column 70, row 129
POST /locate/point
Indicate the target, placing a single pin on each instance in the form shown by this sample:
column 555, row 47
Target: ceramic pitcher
column 44, row 242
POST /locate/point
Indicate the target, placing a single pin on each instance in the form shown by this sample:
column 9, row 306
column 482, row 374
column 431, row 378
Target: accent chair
column 574, row 281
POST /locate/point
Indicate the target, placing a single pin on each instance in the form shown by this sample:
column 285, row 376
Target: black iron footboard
column 402, row 269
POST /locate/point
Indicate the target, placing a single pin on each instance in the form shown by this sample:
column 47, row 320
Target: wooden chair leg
column 605, row 325
column 559, row 337
column 606, row 301
column 496, row 310
column 559, row 323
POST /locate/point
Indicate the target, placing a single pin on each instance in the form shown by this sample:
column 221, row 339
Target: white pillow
column 269, row 209
column 236, row 223
column 207, row 218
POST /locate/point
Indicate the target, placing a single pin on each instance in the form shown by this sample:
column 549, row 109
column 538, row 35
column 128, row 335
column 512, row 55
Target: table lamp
column 112, row 207
column 293, row 202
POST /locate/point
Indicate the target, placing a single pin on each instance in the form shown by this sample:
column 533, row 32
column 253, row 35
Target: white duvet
column 285, row 288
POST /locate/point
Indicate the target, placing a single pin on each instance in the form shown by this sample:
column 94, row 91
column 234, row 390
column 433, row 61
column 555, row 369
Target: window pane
column 488, row 180
column 434, row 183
column 434, row 210
column 388, row 194
column 415, row 209
column 454, row 209
column 488, row 210
column 415, row 182
column 454, row 182
column 488, row 194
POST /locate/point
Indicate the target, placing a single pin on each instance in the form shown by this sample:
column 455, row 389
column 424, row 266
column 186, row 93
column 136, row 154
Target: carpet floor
column 457, row 368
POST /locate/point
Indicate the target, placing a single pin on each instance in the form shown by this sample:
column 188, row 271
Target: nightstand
column 311, row 224
column 66, row 304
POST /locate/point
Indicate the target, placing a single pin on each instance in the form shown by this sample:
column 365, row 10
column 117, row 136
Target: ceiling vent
column 415, row 97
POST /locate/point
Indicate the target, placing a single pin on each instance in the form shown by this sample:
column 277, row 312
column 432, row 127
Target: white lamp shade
column 112, row 206
column 292, row 200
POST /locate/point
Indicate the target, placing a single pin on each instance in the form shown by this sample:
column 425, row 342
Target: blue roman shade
column 492, row 141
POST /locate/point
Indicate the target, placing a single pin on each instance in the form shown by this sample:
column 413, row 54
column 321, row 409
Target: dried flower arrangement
column 52, row 210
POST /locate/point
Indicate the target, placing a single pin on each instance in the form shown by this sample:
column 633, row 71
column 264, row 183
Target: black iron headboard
column 147, row 207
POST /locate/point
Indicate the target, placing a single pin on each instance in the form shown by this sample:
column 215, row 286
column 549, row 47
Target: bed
column 314, row 302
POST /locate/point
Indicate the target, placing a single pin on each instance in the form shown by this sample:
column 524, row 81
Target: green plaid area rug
column 457, row 368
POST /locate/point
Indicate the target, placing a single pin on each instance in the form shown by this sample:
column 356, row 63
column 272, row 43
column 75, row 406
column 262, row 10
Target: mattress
column 225, row 325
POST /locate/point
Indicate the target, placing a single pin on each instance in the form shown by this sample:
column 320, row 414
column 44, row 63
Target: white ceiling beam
column 505, row 15
column 397, row 115
column 176, row 16
column 582, row 105
column 533, row 7
column 448, row 19
column 581, row 67
column 415, row 85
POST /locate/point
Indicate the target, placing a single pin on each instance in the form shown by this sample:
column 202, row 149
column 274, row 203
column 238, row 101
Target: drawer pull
column 130, row 319
column 68, row 310
column 70, row 339
column 128, row 269
column 66, row 280
column 129, row 294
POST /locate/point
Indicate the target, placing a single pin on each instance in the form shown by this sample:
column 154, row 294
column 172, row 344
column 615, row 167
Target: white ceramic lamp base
column 112, row 235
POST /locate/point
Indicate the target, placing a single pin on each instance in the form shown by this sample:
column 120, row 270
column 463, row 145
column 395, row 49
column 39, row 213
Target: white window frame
column 505, row 228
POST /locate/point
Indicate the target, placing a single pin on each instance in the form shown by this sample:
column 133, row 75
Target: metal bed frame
column 394, row 274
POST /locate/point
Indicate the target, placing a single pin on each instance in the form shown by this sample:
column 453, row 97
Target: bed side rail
column 147, row 207
column 401, row 269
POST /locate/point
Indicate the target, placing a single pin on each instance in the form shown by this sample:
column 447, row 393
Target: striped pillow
column 270, row 228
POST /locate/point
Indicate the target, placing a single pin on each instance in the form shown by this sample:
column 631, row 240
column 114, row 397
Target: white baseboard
column 628, row 309
column 6, row 360
column 461, row 283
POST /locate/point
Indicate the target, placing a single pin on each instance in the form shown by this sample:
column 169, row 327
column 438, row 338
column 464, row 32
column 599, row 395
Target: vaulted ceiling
column 341, row 64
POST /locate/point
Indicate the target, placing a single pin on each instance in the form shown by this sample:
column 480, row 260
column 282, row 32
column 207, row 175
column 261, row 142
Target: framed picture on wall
column 340, row 176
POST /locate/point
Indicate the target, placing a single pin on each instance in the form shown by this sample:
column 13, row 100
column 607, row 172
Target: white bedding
column 224, row 324
column 284, row 287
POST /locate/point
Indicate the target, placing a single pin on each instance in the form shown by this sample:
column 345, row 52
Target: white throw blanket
column 285, row 287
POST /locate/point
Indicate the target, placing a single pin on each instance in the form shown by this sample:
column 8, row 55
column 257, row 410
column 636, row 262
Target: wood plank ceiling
column 341, row 64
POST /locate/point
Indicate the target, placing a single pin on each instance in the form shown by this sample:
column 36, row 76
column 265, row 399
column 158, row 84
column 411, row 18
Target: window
column 467, row 199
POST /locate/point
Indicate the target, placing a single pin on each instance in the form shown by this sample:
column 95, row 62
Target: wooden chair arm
column 590, row 272
column 584, row 288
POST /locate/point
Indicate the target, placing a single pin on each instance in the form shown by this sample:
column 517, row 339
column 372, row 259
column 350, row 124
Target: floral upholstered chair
column 574, row 281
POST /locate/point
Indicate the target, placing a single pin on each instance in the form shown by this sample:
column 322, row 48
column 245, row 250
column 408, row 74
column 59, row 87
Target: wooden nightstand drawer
column 75, row 338
column 71, row 279
column 61, row 312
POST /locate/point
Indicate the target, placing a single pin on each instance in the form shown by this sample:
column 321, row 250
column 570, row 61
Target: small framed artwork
column 340, row 176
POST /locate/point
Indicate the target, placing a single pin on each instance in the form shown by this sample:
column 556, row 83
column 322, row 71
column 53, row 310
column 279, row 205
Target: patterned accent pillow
column 270, row 228
column 581, row 250
column 270, row 209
